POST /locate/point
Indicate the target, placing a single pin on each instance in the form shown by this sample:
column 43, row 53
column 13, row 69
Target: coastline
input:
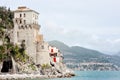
column 23, row 76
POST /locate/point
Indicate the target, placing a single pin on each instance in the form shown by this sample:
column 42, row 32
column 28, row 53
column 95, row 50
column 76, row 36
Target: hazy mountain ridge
column 77, row 54
column 118, row 54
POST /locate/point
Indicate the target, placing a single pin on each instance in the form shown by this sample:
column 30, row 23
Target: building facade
column 26, row 28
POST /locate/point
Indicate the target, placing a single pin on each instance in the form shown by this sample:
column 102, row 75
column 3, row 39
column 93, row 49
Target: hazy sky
column 92, row 24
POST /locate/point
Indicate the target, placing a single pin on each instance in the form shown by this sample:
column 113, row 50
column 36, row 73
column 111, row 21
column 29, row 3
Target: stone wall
column 42, row 53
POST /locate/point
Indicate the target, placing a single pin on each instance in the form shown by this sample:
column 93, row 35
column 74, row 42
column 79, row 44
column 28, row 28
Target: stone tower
column 26, row 28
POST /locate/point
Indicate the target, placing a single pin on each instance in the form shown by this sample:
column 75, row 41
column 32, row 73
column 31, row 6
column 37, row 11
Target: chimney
column 22, row 7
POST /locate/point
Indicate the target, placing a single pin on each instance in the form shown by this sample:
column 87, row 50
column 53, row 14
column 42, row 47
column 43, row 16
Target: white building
column 55, row 54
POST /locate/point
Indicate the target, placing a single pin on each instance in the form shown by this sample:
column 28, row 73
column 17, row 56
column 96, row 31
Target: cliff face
column 29, row 67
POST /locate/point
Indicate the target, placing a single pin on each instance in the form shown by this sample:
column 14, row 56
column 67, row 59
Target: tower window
column 24, row 15
column 16, row 21
column 42, row 47
column 20, row 15
column 24, row 21
column 22, row 27
column 30, row 26
column 26, row 26
column 20, row 21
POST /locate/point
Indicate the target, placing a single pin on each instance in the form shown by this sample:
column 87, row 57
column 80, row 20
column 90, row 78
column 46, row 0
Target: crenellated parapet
column 29, row 26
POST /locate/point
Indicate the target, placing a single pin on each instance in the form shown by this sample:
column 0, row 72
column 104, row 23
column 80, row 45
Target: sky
column 93, row 24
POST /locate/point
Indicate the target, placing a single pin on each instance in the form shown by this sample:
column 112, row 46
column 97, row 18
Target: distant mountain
column 77, row 54
column 118, row 54
column 59, row 45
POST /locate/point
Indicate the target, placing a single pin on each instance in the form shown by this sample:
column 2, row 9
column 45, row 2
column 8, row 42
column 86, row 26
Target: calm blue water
column 93, row 75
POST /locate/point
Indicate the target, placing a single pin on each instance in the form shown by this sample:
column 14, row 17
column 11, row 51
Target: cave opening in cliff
column 7, row 66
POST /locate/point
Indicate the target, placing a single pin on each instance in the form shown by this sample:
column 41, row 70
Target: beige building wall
column 43, row 53
column 26, row 28
column 39, row 38
column 30, row 16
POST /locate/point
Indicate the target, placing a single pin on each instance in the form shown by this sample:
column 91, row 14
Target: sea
column 91, row 75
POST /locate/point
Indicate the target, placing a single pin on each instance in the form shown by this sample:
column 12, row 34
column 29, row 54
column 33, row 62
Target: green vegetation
column 6, row 24
column 45, row 66
column 19, row 54
column 32, row 66
column 7, row 48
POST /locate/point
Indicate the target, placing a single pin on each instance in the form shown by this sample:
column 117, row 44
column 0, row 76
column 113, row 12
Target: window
column 24, row 15
column 30, row 26
column 26, row 26
column 42, row 47
column 24, row 21
column 37, row 17
column 20, row 21
column 20, row 15
column 16, row 20
column 51, row 50
column 22, row 27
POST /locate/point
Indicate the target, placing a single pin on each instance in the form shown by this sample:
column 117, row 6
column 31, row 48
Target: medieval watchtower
column 26, row 28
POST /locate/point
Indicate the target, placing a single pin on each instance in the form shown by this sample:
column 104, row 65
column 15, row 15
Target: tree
column 8, row 49
column 6, row 24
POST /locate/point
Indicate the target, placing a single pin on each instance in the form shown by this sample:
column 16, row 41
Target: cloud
column 89, row 23
column 106, row 45
column 100, row 39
